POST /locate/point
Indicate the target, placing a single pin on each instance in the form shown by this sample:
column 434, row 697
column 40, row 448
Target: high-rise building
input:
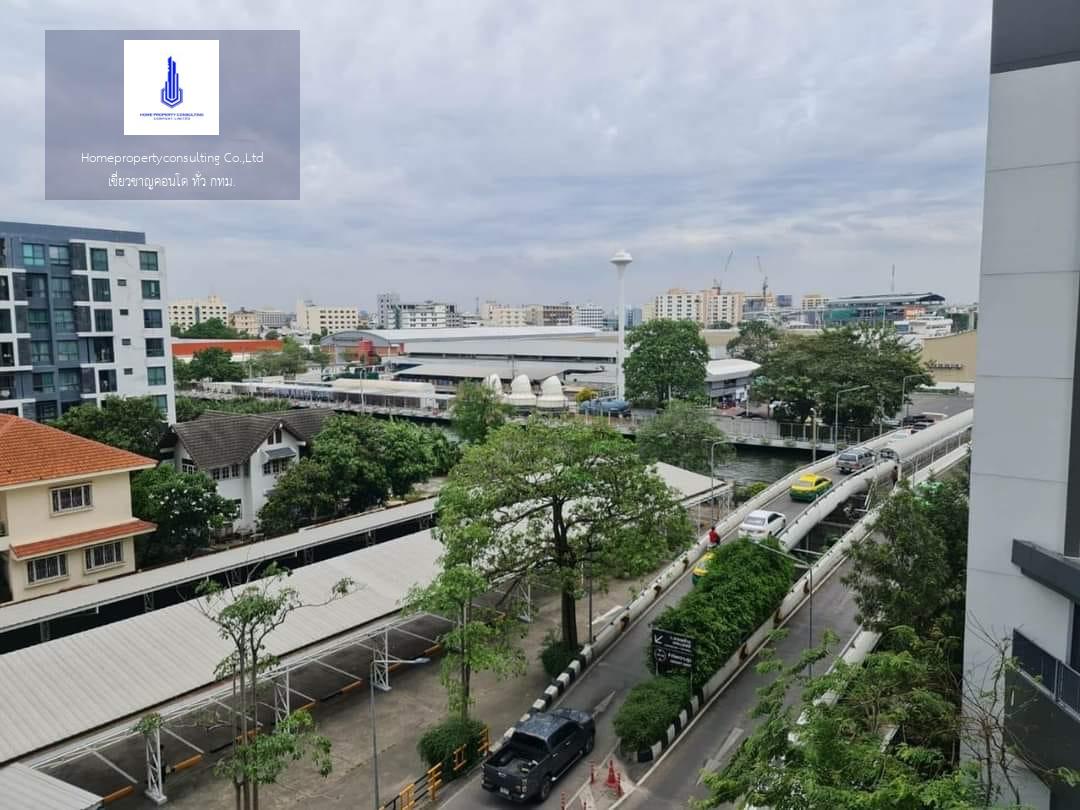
column 589, row 315
column 427, row 315
column 1023, row 563
column 186, row 312
column 317, row 319
column 721, row 306
column 706, row 307
column 82, row 316
column 386, row 310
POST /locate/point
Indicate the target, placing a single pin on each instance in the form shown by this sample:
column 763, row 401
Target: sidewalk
column 416, row 702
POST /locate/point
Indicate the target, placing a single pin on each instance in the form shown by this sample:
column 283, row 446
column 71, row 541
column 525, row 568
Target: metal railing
column 1056, row 677
column 425, row 790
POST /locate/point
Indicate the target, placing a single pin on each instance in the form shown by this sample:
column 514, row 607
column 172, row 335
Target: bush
column 649, row 709
column 744, row 492
column 555, row 656
column 439, row 743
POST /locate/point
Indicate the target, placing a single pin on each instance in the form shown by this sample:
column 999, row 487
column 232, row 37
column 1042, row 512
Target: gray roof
column 218, row 438
column 22, row 787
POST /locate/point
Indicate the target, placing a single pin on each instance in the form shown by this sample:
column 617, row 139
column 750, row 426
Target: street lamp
column 712, row 475
column 903, row 393
column 813, row 435
column 836, row 413
column 810, row 606
column 621, row 260
column 374, row 745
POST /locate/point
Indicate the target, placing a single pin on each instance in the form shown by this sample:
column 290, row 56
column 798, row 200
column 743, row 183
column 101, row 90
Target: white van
column 854, row 459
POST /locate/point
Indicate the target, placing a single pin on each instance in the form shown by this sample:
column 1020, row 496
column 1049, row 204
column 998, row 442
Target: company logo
column 172, row 94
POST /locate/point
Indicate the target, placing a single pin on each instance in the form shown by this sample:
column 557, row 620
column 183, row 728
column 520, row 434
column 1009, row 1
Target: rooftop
column 219, row 438
column 383, row 337
column 30, row 452
column 921, row 298
column 79, row 539
column 186, row 347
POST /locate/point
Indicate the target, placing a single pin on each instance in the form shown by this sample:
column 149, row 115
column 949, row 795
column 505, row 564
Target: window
column 155, row 375
column 61, row 288
column 225, row 473
column 123, row 312
column 64, row 320
column 45, row 568
column 5, row 320
column 275, row 437
column 33, row 255
column 7, row 354
column 43, row 383
column 103, row 320
column 125, row 341
column 37, row 286
column 119, row 251
column 40, row 352
column 107, row 381
column 7, row 386
column 162, row 403
column 71, row 499
column 99, row 259
column 128, row 372
column 152, row 318
column 70, row 380
column 104, row 555
column 235, row 470
column 155, row 347
column 59, row 255
column 67, row 351
column 101, row 290
column 275, row 466
column 45, row 411
column 187, row 465
column 151, row 289
column 38, row 318
column 121, row 282
column 147, row 260
column 5, row 289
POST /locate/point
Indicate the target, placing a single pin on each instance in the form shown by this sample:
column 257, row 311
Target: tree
column 215, row 364
column 130, row 423
column 188, row 408
column 542, row 499
column 914, row 575
column 480, row 639
column 720, row 325
column 808, row 371
column 755, row 342
column 210, row 329
column 476, row 411
column 292, row 359
column 683, row 435
column 272, row 334
column 305, row 493
column 186, row 508
column 667, row 360
column 182, row 376
column 245, row 617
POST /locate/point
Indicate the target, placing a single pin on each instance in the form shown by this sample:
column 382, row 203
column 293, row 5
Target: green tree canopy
column 684, row 434
column 667, row 360
column 130, row 423
column 210, row 329
column 185, row 507
column 755, row 342
column 214, row 364
column 293, row 358
column 476, row 411
column 188, row 408
column 807, row 371
column 543, row 498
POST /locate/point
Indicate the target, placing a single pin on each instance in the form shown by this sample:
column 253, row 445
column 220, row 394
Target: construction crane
column 764, row 282
column 719, row 284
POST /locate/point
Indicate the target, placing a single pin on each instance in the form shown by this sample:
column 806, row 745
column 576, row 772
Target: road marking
column 714, row 762
column 612, row 612
column 601, row 707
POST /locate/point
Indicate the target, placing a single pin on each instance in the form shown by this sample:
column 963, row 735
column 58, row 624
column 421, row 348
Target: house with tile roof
column 65, row 509
column 244, row 453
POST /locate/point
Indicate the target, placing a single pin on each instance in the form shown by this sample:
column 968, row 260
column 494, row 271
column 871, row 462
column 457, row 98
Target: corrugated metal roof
column 44, row 608
column 22, row 788
column 479, row 370
column 63, row 688
column 599, row 350
column 384, row 336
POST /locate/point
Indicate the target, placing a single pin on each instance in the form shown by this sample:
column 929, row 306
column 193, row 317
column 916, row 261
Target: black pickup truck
column 540, row 750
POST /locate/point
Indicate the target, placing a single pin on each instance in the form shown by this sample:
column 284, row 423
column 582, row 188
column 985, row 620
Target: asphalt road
column 716, row 734
column 605, row 684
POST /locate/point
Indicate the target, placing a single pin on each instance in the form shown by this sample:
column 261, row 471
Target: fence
column 1056, row 677
column 426, row 789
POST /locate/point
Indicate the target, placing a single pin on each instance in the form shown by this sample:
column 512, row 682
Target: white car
column 760, row 524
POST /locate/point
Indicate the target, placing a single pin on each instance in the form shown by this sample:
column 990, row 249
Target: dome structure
column 521, row 394
column 493, row 383
column 551, row 395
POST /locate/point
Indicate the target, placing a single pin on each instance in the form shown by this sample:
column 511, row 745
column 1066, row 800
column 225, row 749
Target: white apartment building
column 679, row 305
column 386, row 310
column 428, row 315
column 589, row 315
column 245, row 321
column 720, row 306
column 186, row 312
column 317, row 319
column 499, row 315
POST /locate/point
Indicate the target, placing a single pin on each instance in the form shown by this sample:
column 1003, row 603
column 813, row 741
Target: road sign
column 672, row 650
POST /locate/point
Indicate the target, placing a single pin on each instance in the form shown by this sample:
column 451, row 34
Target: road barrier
column 425, row 790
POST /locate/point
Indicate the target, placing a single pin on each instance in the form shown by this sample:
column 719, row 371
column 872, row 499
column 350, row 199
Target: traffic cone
column 562, row 801
column 612, row 777
column 618, row 784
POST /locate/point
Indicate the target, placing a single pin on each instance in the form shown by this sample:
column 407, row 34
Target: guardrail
column 425, row 790
column 1056, row 677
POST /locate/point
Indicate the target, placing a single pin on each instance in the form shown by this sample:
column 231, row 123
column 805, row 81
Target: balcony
column 1042, row 713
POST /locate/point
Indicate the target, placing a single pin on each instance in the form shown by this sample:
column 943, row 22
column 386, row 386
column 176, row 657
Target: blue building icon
column 171, row 93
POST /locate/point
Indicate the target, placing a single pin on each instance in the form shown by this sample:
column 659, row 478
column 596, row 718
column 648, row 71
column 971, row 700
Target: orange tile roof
column 187, row 348
column 31, row 452
column 69, row 541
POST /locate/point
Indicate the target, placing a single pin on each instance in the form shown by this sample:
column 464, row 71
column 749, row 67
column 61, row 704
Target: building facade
column 245, row 321
column 65, row 509
column 814, row 301
column 499, row 315
column 1023, row 563
column 428, row 315
column 385, row 310
column 878, row 310
column 589, row 315
column 706, row 307
column 318, row 320
column 82, row 316
column 719, row 307
column 186, row 312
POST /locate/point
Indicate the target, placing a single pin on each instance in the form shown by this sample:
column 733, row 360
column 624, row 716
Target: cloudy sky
column 505, row 148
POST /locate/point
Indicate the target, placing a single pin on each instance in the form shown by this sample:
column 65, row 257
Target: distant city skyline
column 446, row 148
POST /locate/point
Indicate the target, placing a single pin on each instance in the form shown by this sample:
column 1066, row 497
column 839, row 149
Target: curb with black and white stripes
column 688, row 712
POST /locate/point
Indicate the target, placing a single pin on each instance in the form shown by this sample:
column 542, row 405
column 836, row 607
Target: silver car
column 761, row 523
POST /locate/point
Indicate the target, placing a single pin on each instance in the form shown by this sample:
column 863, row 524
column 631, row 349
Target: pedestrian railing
column 1056, row 677
column 425, row 790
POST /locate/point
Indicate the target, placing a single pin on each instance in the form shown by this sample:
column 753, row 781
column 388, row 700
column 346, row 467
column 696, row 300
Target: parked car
column 605, row 407
column 701, row 569
column 855, row 459
column 541, row 749
column 761, row 523
column 810, row 487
